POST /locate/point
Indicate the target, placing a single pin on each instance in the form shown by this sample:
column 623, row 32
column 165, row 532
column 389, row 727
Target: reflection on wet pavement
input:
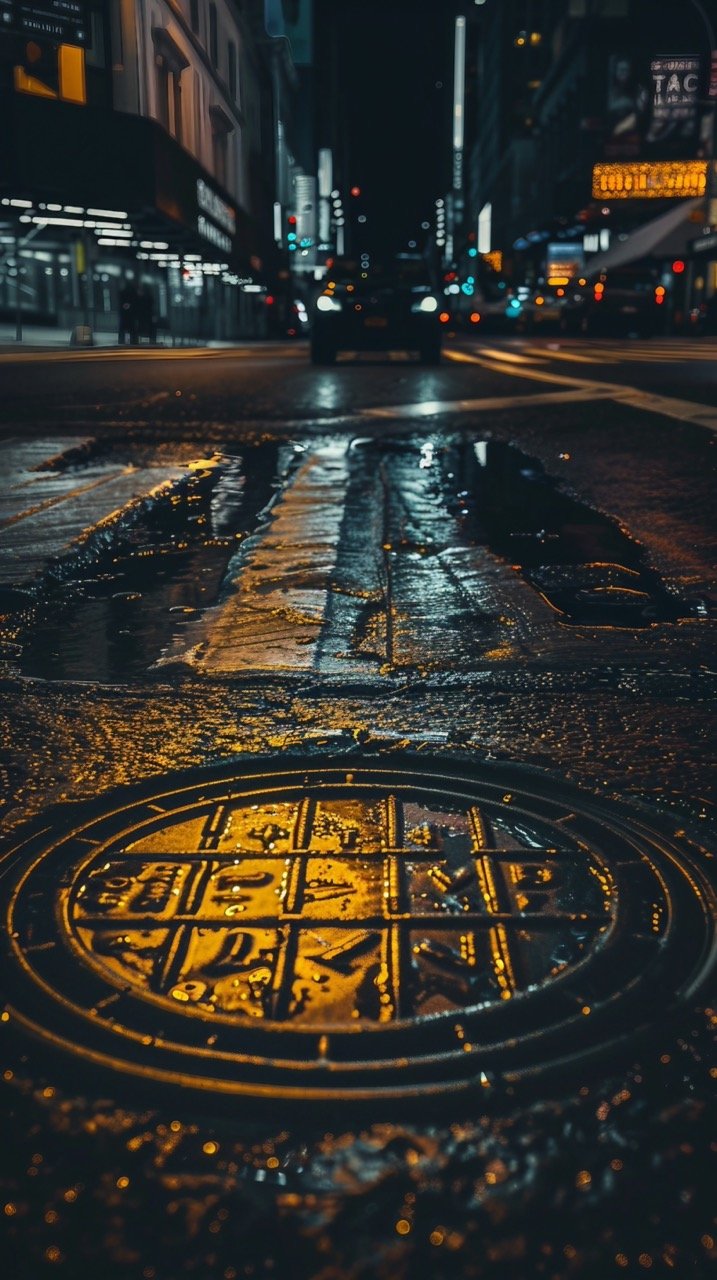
column 432, row 601
column 107, row 613
column 277, row 594
column 587, row 567
column 355, row 557
column 328, row 911
column 50, row 512
column 520, row 1175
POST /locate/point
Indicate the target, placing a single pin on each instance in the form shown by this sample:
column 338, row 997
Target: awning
column 663, row 237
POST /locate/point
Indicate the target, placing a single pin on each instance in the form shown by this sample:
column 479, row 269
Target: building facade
column 565, row 86
column 141, row 145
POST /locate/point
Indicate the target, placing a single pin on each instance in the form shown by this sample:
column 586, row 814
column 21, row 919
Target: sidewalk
column 39, row 337
column 47, row 337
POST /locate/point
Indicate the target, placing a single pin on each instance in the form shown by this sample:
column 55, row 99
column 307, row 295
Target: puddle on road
column 579, row 560
column 399, row 592
column 112, row 623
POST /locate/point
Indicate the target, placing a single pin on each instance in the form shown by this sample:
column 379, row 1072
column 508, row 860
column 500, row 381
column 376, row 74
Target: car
column 380, row 307
column 544, row 306
column 627, row 300
column 488, row 305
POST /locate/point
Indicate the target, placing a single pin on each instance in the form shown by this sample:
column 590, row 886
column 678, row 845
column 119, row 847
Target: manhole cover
column 349, row 928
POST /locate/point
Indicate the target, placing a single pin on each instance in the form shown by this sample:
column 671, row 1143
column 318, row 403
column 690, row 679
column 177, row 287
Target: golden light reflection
column 316, row 912
column 319, row 931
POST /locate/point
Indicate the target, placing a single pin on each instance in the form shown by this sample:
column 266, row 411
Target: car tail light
column 444, row 317
column 475, row 317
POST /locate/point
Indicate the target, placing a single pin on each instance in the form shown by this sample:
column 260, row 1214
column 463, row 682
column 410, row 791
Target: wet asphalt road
column 276, row 382
column 510, row 557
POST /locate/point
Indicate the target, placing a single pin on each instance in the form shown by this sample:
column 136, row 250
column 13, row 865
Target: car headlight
column 428, row 303
column 326, row 303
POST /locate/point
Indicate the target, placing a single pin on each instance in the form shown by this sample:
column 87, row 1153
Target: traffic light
column 291, row 224
column 678, row 267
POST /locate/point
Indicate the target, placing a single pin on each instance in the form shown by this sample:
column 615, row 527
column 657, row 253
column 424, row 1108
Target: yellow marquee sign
column 650, row 180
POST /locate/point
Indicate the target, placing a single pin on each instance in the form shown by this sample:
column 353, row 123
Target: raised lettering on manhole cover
column 350, row 929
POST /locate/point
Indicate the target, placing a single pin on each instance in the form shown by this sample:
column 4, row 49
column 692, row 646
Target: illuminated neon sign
column 650, row 180
column 61, row 21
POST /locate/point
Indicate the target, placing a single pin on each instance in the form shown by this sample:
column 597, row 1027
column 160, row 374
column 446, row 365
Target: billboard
column 675, row 96
column 652, row 106
column 627, row 106
column 564, row 260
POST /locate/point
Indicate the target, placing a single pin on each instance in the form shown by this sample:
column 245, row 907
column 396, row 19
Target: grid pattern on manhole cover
column 349, row 928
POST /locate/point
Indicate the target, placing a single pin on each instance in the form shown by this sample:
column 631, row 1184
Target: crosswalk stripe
column 654, row 352
column 603, row 353
column 272, row 616
column 669, row 406
column 519, row 369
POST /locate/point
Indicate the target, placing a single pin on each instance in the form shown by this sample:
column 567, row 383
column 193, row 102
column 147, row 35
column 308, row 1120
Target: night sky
column 396, row 78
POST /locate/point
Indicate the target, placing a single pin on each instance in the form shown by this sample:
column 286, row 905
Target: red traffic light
column 355, row 191
column 678, row 267
column 291, row 219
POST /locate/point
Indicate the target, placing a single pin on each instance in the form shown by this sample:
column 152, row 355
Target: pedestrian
column 710, row 314
column 127, row 314
column 146, row 324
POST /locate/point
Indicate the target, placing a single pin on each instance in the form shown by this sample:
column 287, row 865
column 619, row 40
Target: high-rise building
column 593, row 117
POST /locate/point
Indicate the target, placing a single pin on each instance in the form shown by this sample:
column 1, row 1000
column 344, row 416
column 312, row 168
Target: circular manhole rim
column 325, row 1077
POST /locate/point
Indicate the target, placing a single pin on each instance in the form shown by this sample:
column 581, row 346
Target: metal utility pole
column 18, row 305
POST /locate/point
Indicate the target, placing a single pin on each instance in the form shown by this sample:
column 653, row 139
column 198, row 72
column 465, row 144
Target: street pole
column 89, row 286
column 457, row 205
column 18, row 303
column 40, row 226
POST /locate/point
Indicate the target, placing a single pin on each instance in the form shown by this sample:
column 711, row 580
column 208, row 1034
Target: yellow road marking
column 497, row 353
column 162, row 353
column 566, row 355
